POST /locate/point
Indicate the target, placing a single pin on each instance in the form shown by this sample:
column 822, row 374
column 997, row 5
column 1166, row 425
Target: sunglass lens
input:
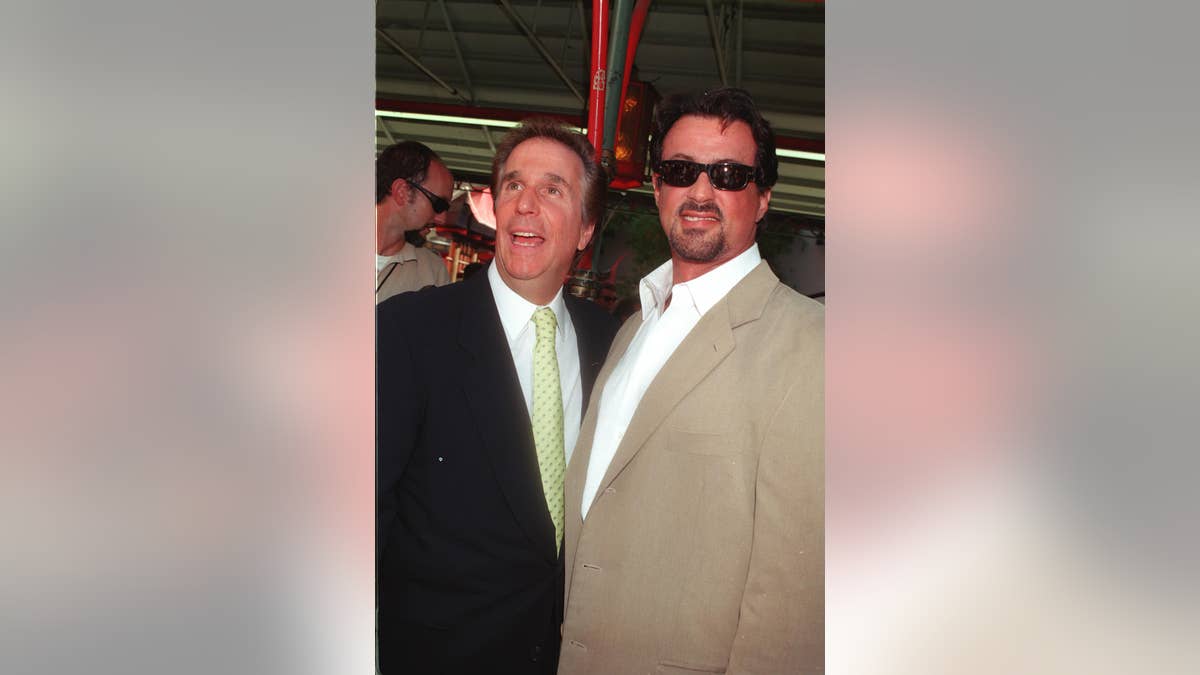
column 729, row 176
column 680, row 173
column 724, row 176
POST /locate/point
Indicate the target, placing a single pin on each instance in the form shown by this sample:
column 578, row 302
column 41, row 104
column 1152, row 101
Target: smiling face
column 706, row 226
column 539, row 218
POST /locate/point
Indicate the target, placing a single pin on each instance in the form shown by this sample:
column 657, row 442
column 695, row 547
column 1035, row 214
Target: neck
column 392, row 248
column 683, row 271
column 389, row 235
column 533, row 292
column 387, row 244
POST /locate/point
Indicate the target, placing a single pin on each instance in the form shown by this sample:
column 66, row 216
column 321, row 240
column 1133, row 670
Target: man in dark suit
column 472, row 442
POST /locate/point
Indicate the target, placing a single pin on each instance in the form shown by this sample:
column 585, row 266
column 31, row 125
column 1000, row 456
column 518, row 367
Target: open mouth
column 526, row 239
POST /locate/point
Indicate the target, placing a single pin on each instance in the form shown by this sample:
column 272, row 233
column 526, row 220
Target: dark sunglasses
column 439, row 204
column 722, row 175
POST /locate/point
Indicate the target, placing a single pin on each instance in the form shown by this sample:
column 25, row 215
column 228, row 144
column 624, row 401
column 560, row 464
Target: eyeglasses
column 439, row 204
column 722, row 175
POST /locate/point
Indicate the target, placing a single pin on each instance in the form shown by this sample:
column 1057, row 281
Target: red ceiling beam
column 803, row 144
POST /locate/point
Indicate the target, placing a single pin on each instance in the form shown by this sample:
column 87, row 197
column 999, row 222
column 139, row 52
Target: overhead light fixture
column 800, row 154
column 452, row 119
column 508, row 124
column 449, row 119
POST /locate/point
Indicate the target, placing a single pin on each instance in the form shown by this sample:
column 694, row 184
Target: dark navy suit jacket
column 468, row 579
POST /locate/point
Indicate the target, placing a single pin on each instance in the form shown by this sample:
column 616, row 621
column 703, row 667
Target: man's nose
column 440, row 218
column 527, row 201
column 702, row 190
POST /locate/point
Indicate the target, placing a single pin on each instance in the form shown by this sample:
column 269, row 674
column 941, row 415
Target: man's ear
column 399, row 193
column 585, row 235
column 764, row 201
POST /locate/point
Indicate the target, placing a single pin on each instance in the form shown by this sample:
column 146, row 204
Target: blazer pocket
column 681, row 668
column 706, row 442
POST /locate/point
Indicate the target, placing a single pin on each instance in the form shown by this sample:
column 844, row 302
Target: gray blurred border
column 1012, row 248
column 186, row 381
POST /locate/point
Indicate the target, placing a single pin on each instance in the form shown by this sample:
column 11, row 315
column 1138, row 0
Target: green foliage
column 642, row 233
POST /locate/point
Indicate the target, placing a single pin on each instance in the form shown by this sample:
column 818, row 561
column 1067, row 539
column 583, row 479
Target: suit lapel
column 495, row 400
column 705, row 347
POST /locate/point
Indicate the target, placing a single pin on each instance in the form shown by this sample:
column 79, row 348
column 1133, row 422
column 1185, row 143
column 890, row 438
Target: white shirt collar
column 515, row 311
column 702, row 292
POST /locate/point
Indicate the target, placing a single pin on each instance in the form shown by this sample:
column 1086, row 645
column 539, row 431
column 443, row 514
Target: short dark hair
column 727, row 104
column 408, row 159
column 594, row 179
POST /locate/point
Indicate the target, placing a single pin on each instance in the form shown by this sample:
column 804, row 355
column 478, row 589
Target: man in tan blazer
column 695, row 500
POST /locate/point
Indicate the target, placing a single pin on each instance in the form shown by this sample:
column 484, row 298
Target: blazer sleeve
column 781, row 623
column 399, row 411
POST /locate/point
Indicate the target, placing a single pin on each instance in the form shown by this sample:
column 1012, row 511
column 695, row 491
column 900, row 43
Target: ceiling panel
column 773, row 48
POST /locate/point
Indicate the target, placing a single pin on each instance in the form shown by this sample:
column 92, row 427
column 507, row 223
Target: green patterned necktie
column 548, row 418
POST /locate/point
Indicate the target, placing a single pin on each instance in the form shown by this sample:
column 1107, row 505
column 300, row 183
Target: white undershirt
column 516, row 316
column 656, row 339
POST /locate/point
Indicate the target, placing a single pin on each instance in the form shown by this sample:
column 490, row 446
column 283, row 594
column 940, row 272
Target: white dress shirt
column 656, row 339
column 381, row 261
column 516, row 316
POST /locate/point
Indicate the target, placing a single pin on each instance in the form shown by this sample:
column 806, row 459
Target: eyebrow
column 688, row 158
column 552, row 177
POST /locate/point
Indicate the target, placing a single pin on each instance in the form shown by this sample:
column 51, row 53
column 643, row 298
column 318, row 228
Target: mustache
column 703, row 207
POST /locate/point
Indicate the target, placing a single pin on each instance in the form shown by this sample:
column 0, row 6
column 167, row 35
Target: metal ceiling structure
column 491, row 61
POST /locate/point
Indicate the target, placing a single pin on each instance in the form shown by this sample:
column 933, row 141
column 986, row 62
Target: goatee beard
column 697, row 246
column 415, row 237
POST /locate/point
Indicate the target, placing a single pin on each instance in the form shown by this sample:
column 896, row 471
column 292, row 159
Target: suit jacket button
column 535, row 653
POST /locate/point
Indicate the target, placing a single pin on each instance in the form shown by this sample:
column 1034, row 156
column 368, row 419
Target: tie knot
column 545, row 323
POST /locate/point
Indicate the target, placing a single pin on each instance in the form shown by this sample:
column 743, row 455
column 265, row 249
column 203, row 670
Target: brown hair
column 726, row 104
column 408, row 159
column 594, row 180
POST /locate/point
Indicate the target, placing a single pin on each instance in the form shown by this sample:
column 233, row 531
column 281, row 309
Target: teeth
column 524, row 234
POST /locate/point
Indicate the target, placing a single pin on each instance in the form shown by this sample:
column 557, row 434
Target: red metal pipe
column 636, row 23
column 595, row 126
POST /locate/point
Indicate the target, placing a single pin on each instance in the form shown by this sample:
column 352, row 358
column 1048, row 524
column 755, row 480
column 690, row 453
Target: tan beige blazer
column 704, row 548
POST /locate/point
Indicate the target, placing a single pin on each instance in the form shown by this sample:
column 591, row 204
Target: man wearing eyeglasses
column 412, row 192
column 695, row 498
